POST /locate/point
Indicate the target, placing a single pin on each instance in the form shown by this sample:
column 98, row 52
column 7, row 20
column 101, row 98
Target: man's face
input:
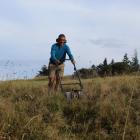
column 61, row 41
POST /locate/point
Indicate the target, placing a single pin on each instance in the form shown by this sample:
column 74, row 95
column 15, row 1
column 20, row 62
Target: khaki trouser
column 56, row 70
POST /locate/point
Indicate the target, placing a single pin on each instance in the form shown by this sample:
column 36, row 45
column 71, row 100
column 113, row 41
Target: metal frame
column 78, row 83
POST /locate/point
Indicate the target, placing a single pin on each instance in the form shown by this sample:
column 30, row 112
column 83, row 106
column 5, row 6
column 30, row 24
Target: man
column 57, row 59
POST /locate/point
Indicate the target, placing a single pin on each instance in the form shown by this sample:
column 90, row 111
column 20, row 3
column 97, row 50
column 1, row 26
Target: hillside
column 27, row 112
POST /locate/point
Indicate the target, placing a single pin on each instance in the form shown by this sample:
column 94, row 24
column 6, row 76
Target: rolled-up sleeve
column 69, row 53
column 53, row 51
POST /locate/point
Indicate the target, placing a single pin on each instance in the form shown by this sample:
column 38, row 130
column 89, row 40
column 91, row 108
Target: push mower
column 72, row 92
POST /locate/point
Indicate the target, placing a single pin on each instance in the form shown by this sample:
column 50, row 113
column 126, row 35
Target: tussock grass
column 27, row 112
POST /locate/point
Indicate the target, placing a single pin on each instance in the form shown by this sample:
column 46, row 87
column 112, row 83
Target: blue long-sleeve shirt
column 59, row 53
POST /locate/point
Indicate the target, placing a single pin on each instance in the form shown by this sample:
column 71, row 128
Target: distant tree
column 111, row 65
column 106, row 69
column 86, row 73
column 103, row 70
column 112, row 62
column 135, row 62
column 126, row 59
column 93, row 67
column 126, row 63
column 105, row 62
column 118, row 68
column 100, row 69
column 44, row 71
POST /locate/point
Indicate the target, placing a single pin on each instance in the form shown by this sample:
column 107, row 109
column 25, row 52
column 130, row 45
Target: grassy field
column 27, row 112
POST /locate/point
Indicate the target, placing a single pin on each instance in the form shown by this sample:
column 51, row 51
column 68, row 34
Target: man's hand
column 57, row 62
column 73, row 62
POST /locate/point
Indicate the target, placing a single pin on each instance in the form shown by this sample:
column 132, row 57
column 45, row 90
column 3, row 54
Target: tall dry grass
column 28, row 113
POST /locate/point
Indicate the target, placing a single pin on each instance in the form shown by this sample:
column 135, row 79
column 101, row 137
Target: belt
column 55, row 64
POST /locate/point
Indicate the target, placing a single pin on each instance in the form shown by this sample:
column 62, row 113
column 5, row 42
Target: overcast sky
column 95, row 29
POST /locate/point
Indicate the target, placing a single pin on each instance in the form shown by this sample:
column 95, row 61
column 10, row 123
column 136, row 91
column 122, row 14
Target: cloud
column 108, row 43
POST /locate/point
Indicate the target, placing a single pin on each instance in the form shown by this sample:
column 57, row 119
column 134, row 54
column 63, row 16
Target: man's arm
column 53, row 53
column 70, row 54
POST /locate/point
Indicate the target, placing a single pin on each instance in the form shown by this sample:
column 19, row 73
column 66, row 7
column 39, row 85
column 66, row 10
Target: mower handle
column 73, row 64
column 80, row 82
